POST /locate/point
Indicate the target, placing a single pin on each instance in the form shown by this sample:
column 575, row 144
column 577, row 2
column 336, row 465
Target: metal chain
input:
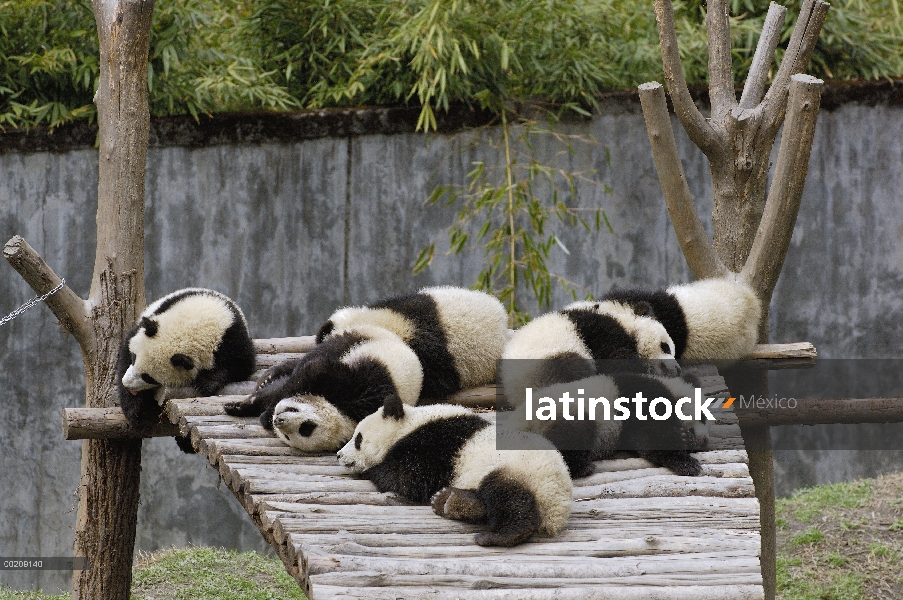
column 31, row 303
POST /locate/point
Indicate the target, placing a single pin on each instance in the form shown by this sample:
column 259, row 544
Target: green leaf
column 424, row 258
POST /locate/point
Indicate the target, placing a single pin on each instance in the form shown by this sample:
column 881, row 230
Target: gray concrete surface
column 293, row 230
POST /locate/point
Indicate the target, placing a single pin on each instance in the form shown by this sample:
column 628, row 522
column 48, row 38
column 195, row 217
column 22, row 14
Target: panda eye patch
column 357, row 441
column 289, row 409
column 306, row 428
column 148, row 379
column 182, row 360
column 666, row 348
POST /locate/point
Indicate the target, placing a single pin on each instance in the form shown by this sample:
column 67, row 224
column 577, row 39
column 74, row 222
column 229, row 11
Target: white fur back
column 476, row 328
column 722, row 318
column 193, row 326
column 648, row 333
column 545, row 336
column 541, row 471
column 352, row 317
column 398, row 358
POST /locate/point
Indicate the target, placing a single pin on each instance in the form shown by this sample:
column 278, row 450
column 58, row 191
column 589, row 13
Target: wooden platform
column 636, row 532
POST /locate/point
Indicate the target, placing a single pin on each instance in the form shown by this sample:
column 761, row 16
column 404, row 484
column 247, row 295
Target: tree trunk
column 111, row 469
column 751, row 230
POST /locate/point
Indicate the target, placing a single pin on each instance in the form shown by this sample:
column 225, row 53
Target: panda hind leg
column 458, row 504
column 511, row 512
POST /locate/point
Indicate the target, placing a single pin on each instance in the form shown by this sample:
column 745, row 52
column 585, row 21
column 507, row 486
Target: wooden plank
column 303, row 343
column 608, row 547
column 670, row 486
column 790, row 351
column 400, row 581
column 735, row 562
column 485, row 592
column 562, row 544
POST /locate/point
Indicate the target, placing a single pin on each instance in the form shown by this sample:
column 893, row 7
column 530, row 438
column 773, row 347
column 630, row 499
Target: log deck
column 635, row 531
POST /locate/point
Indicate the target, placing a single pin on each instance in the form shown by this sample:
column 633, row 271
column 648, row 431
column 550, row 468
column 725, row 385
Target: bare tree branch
column 768, row 42
column 721, row 78
column 799, row 50
column 66, row 305
column 694, row 241
column 699, row 130
column 772, row 239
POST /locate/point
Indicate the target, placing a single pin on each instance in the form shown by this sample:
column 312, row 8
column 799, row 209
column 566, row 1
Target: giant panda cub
column 710, row 319
column 191, row 337
column 562, row 346
column 446, row 455
column 314, row 403
column 665, row 443
column 458, row 334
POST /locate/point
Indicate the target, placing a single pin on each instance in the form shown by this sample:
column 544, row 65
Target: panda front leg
column 664, row 444
column 210, row 381
column 268, row 393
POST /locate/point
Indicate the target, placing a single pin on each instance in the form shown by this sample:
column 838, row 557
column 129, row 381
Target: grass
column 200, row 574
column 842, row 541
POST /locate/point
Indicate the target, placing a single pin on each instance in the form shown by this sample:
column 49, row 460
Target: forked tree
column 110, row 469
column 751, row 222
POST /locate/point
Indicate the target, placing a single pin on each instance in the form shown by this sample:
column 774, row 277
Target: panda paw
column 243, row 408
column 457, row 504
column 687, row 466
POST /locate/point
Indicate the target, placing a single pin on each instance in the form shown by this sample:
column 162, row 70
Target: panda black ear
column 325, row 330
column 393, row 407
column 643, row 309
column 150, row 326
column 182, row 360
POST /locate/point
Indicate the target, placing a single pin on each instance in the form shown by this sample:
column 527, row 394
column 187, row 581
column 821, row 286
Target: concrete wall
column 292, row 230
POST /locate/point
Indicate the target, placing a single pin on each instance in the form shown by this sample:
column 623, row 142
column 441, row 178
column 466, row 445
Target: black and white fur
column 458, row 334
column 314, row 403
column 710, row 319
column 574, row 337
column 191, row 337
column 446, row 455
column 666, row 443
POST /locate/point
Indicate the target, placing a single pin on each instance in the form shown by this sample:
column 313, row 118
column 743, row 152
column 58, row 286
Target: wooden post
column 751, row 230
column 110, row 469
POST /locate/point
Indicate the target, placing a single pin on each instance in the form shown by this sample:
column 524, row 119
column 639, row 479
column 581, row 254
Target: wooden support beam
column 108, row 423
column 827, row 411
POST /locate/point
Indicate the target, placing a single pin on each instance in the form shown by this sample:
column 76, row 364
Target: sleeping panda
column 446, row 455
column 314, row 403
column 193, row 336
column 458, row 334
column 563, row 346
column 666, row 443
column 710, row 319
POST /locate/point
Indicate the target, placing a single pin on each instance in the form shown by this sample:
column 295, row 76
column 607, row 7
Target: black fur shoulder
column 421, row 463
column 604, row 337
column 233, row 360
column 666, row 309
column 440, row 378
